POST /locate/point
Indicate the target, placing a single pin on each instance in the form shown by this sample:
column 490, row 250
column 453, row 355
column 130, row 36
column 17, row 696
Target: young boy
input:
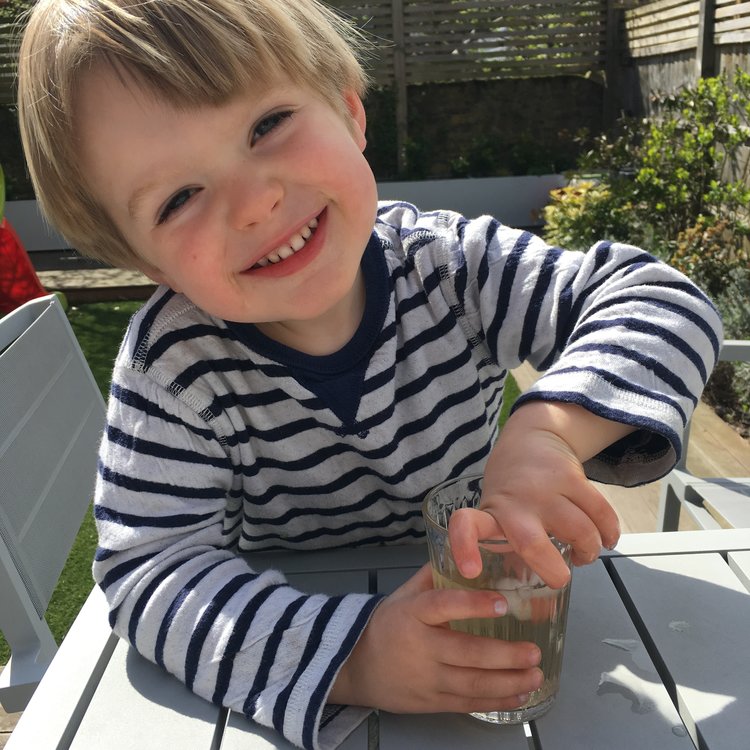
column 315, row 362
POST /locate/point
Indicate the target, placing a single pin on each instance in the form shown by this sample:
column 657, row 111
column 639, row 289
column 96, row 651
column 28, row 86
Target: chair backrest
column 51, row 420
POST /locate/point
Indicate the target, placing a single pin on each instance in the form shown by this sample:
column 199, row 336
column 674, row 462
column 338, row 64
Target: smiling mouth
column 295, row 243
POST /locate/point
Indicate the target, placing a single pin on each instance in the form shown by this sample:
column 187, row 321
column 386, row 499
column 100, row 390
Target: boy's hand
column 409, row 661
column 534, row 484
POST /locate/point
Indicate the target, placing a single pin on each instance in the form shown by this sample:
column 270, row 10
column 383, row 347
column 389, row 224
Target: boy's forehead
column 108, row 86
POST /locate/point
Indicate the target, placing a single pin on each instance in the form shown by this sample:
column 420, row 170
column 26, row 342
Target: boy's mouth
column 295, row 243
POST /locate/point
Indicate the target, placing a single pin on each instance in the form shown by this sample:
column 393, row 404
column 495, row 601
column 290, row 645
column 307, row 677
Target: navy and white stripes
column 220, row 442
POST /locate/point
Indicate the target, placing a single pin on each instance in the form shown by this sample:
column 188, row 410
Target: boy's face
column 215, row 200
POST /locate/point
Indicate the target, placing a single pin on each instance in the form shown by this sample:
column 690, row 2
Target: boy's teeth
column 296, row 242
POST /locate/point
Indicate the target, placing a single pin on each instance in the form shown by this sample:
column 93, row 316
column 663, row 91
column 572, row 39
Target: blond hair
column 193, row 53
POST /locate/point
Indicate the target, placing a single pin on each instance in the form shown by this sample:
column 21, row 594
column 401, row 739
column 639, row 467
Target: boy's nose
column 253, row 198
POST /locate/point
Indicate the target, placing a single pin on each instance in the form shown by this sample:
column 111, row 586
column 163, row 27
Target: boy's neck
column 327, row 333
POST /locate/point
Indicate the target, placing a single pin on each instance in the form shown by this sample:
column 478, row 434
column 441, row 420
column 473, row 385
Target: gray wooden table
column 657, row 655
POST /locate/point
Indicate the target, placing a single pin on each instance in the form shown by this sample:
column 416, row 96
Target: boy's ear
column 356, row 111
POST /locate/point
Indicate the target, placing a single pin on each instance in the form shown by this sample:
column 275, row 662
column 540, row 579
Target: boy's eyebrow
column 134, row 203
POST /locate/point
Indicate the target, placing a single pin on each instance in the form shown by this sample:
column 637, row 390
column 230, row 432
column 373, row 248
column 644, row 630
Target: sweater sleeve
column 179, row 594
column 613, row 330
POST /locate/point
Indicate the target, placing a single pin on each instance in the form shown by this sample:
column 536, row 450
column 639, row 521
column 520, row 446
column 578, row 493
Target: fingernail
column 538, row 678
column 501, row 606
column 523, row 698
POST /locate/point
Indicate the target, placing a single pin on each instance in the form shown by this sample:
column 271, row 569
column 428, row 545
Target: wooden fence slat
column 732, row 10
column 512, row 44
column 655, row 7
column 738, row 24
column 661, row 36
column 665, row 49
column 456, row 6
column 656, row 18
column 690, row 21
column 735, row 37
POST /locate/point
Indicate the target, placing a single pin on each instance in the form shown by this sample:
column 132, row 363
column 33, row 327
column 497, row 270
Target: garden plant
column 678, row 184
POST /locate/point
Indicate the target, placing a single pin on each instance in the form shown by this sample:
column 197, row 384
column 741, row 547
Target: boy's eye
column 269, row 123
column 175, row 203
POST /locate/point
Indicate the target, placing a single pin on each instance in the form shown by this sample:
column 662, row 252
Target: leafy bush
column 711, row 251
column 678, row 184
column 588, row 210
column 671, row 179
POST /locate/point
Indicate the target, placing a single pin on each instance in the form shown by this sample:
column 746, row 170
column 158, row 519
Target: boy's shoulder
column 408, row 233
column 167, row 321
column 402, row 217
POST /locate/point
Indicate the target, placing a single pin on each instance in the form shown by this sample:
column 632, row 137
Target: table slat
column 241, row 734
column 447, row 732
column 610, row 692
column 674, row 542
column 389, row 580
column 697, row 612
column 63, row 695
column 739, row 562
column 138, row 706
column 364, row 558
column 332, row 582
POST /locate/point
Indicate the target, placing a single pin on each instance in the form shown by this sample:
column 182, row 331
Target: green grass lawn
column 99, row 328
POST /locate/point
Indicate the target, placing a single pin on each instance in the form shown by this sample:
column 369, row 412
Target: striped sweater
column 220, row 441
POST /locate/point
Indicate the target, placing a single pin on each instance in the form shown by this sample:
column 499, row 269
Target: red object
column 18, row 280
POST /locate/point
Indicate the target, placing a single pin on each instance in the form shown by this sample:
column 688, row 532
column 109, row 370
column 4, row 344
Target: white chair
column 51, row 420
column 728, row 496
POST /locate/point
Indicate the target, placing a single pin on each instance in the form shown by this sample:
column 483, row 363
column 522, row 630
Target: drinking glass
column 536, row 612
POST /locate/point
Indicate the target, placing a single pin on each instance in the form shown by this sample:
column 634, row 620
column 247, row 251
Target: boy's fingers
column 591, row 501
column 524, row 531
column 472, row 683
column 483, row 652
column 529, row 538
column 438, row 607
column 573, row 526
column 466, row 527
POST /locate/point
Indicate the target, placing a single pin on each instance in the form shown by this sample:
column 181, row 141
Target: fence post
column 399, row 82
column 706, row 54
column 611, row 63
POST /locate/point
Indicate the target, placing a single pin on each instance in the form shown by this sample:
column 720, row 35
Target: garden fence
column 633, row 45
column 460, row 40
column 671, row 43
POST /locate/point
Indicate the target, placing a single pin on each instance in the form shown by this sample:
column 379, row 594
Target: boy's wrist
column 586, row 433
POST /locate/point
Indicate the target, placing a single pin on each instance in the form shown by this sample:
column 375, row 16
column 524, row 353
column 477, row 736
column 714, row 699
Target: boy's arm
column 168, row 523
column 613, row 330
column 625, row 344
